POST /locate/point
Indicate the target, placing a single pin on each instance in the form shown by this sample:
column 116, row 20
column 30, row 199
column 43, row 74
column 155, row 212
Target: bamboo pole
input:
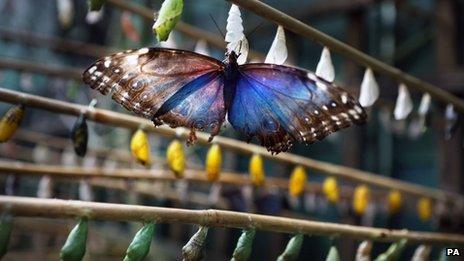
column 298, row 27
column 132, row 122
column 57, row 208
column 34, row 67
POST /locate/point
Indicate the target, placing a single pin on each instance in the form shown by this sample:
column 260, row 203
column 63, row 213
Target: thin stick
column 56, row 208
column 21, row 65
column 132, row 122
column 335, row 45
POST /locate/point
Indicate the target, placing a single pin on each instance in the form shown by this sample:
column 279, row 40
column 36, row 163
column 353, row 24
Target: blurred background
column 421, row 37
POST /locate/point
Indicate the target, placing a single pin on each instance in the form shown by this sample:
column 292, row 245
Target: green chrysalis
column 6, row 225
column 74, row 248
column 80, row 136
column 96, row 5
column 140, row 245
column 244, row 246
column 393, row 252
column 193, row 250
column 168, row 16
column 292, row 250
column 333, row 254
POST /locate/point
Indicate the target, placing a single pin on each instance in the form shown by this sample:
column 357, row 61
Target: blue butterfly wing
column 176, row 87
column 280, row 105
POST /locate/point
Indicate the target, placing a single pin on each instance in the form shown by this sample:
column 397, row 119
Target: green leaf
column 6, row 225
column 193, row 250
column 244, row 246
column 140, row 245
column 292, row 250
column 168, row 16
column 96, row 5
column 393, row 253
column 333, row 254
column 74, row 248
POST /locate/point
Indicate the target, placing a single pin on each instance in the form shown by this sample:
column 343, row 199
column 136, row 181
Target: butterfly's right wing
column 189, row 85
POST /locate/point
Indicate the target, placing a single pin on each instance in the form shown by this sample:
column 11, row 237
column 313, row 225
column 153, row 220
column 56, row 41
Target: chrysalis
column 10, row 122
column 85, row 191
column 451, row 121
column 140, row 245
column 325, row 68
column 68, row 157
column 364, row 251
column 140, row 147
column 214, row 194
column 94, row 17
column 128, row 27
column 278, row 52
column 422, row 253
column 393, row 252
column 80, row 136
column 403, row 103
column 65, row 12
column 256, row 170
column 361, row 198
column 292, row 250
column 96, row 5
column 168, row 16
column 176, row 158
column 369, row 89
column 201, row 47
column 424, row 104
column 74, row 248
column 333, row 254
column 6, row 225
column 213, row 162
column 235, row 37
column 45, row 188
column 41, row 154
column 331, row 190
column 297, row 182
column 395, row 201
column 244, row 246
column 193, row 250
column 424, row 209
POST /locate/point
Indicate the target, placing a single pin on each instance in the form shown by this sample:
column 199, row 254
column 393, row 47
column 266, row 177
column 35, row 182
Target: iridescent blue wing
column 280, row 105
column 176, row 87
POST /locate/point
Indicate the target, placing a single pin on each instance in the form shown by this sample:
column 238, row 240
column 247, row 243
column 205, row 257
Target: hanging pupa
column 80, row 136
column 331, row 190
column 168, row 16
column 45, row 187
column 395, row 201
column 424, row 106
column 451, row 121
column 140, row 147
column 278, row 52
column 128, row 27
column 201, row 47
column 325, row 68
column 96, row 5
column 235, row 37
column 193, row 250
column 75, row 245
column 244, row 245
column 85, row 191
column 140, row 245
column 424, row 209
column 292, row 250
column 256, row 170
column 369, row 92
column 333, row 254
column 94, row 17
column 10, row 122
column 176, row 158
column 361, row 198
column 393, row 252
column 213, row 162
column 422, row 253
column 404, row 104
column 65, row 12
column 364, row 251
column 297, row 182
column 6, row 226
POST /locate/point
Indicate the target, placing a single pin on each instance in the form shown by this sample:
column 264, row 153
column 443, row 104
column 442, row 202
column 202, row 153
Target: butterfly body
column 277, row 104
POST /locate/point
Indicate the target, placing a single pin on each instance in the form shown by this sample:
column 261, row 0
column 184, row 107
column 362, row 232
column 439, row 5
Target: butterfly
column 277, row 104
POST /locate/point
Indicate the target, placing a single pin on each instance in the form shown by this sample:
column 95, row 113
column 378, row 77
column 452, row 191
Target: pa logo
column 453, row 252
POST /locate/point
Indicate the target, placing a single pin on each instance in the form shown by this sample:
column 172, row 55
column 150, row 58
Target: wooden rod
column 35, row 67
column 335, row 45
column 133, row 122
column 57, row 208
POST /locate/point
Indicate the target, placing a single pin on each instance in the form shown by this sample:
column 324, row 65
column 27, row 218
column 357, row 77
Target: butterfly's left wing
column 281, row 104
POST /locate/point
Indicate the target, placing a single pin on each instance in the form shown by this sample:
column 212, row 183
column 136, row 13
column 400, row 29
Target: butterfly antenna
column 254, row 30
column 217, row 26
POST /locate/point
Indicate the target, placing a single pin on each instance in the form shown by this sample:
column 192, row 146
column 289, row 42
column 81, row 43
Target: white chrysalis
column 424, row 104
column 325, row 68
column 41, row 154
column 278, row 52
column 182, row 188
column 369, row 89
column 364, row 251
column 69, row 157
column 89, row 162
column 235, row 37
column 94, row 17
column 422, row 253
column 202, row 47
column 85, row 191
column 45, row 189
column 214, row 194
column 404, row 104
column 247, row 194
column 65, row 12
column 450, row 113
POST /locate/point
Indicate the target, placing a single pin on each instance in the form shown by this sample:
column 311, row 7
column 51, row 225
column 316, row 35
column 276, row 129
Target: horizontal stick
column 57, row 208
column 35, row 67
column 132, row 122
column 335, row 45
